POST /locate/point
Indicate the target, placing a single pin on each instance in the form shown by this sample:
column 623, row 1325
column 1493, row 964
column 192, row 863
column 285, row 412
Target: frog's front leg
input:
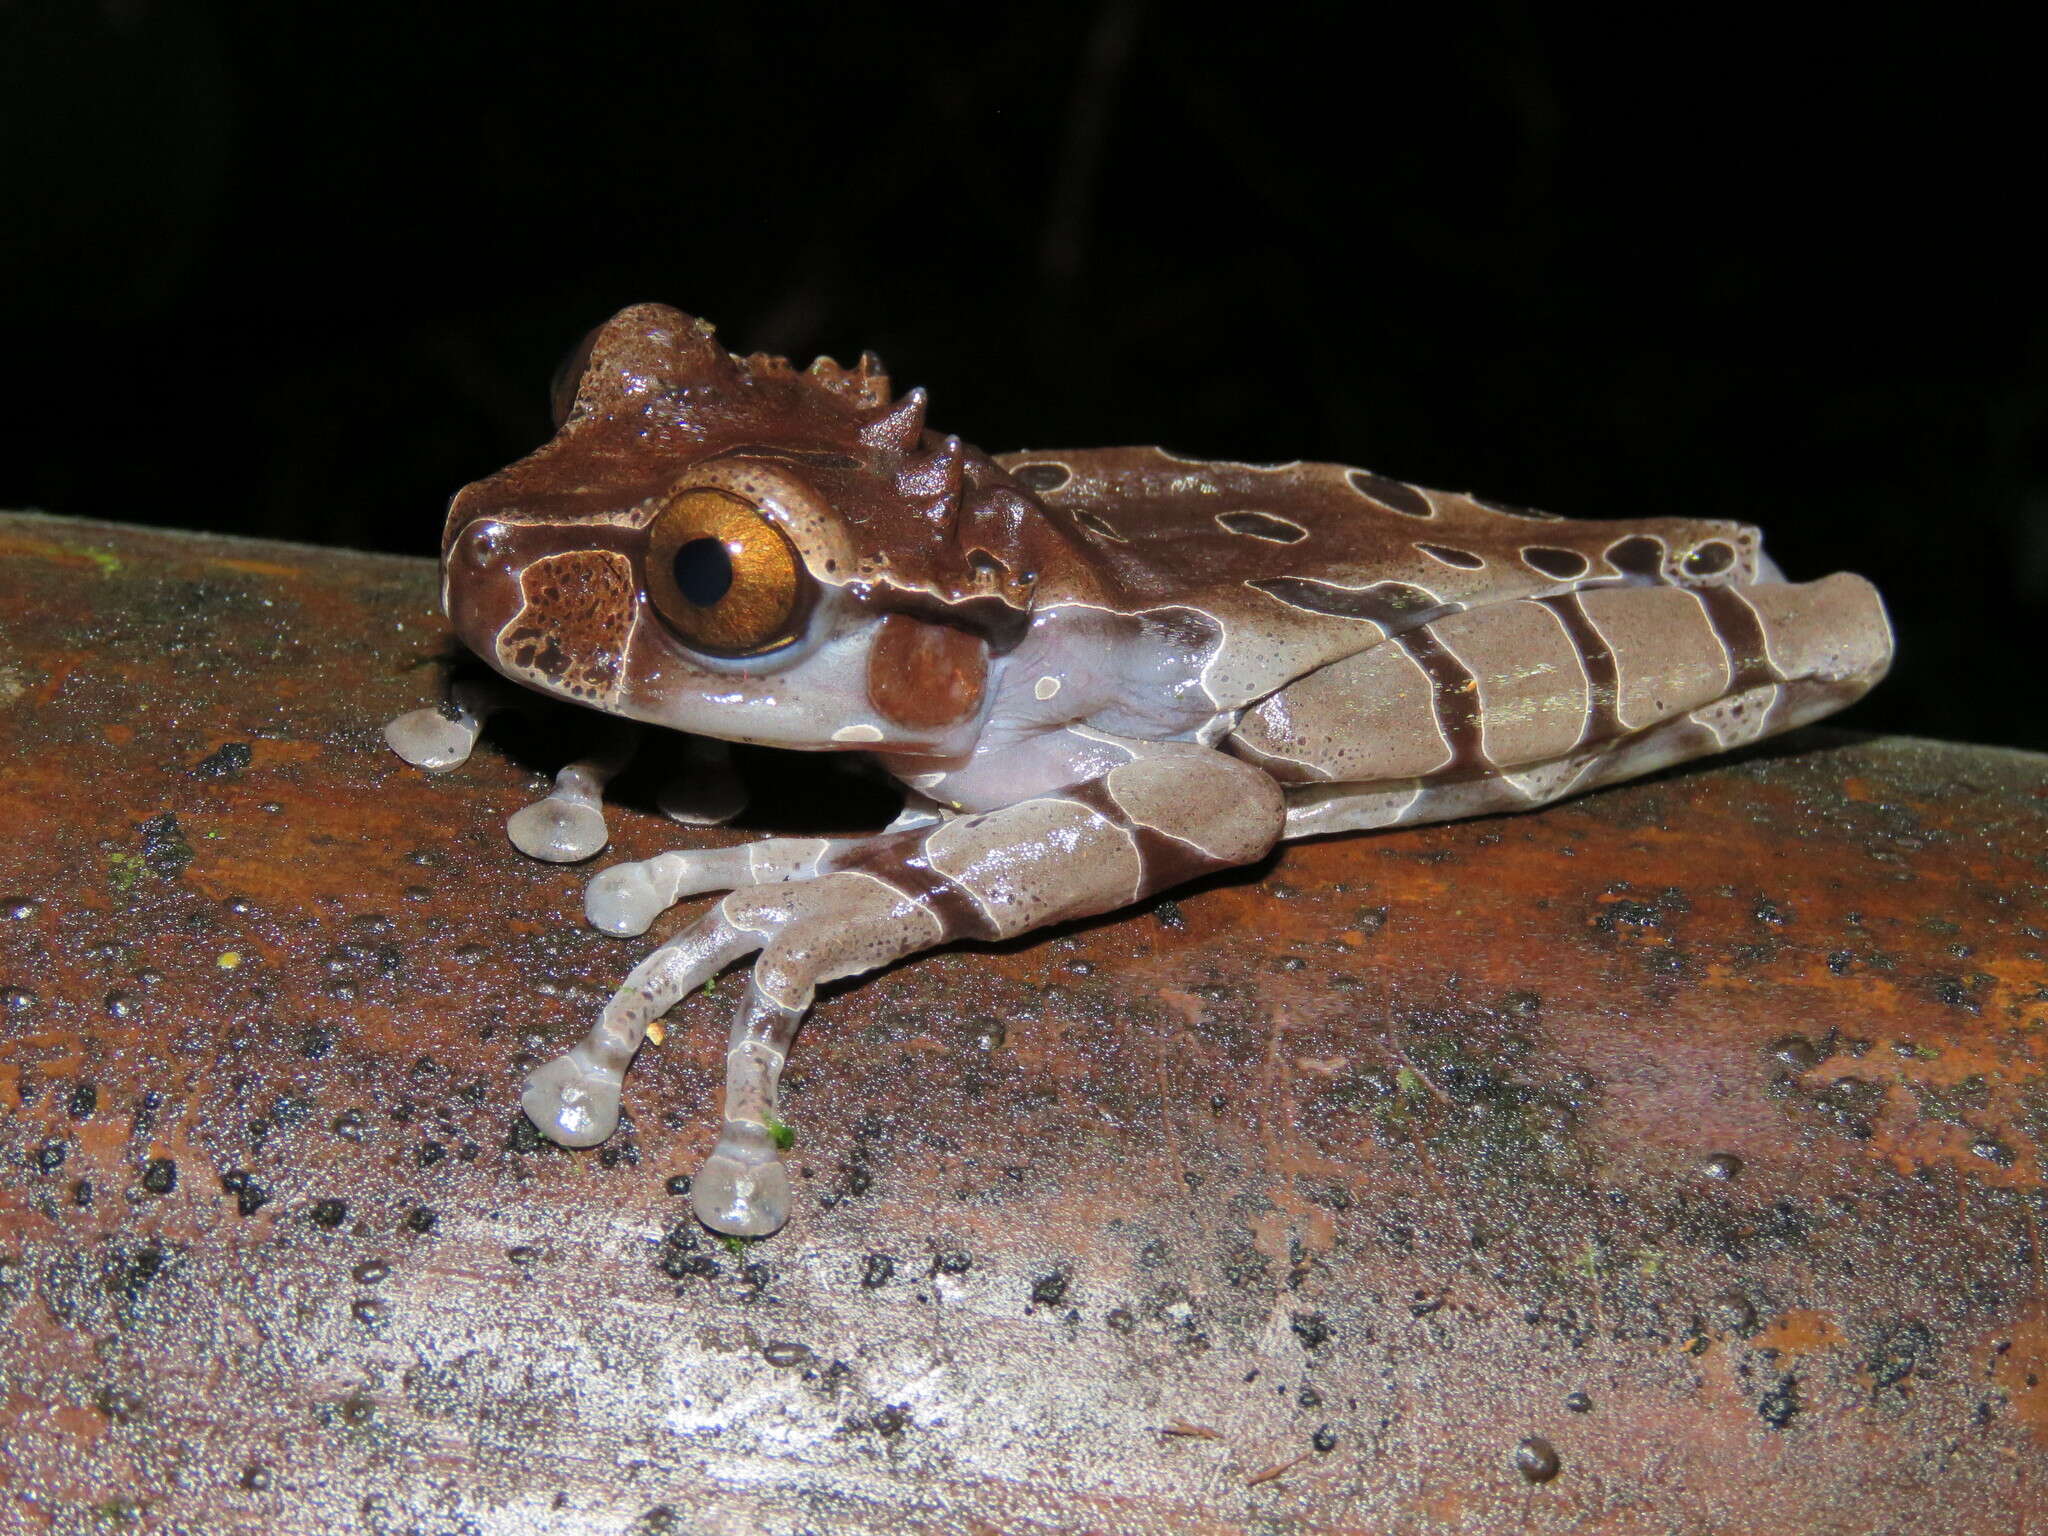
column 441, row 736
column 817, row 912
column 568, row 826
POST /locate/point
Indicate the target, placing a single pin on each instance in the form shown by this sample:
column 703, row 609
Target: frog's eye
column 725, row 577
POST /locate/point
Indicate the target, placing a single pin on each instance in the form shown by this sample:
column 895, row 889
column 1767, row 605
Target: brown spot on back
column 1393, row 605
column 1391, row 494
column 1638, row 555
column 1262, row 525
column 1563, row 564
column 1042, row 477
column 926, row 676
column 1460, row 559
column 1710, row 559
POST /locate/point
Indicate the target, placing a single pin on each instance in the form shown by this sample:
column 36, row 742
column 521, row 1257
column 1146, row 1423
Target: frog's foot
column 574, row 1099
column 442, row 736
column 743, row 1187
column 710, row 792
column 569, row 824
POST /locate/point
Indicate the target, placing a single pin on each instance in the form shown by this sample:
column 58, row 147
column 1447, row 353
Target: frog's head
column 734, row 547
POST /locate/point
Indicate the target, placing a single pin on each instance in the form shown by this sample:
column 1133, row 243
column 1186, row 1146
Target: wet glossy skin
column 1096, row 673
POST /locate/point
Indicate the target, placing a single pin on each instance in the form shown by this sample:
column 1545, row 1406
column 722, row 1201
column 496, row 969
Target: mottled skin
column 1097, row 673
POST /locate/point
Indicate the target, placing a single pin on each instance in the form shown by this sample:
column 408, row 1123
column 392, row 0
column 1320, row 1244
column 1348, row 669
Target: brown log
column 1668, row 1160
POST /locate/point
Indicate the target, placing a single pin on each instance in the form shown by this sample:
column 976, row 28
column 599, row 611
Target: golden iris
column 724, row 577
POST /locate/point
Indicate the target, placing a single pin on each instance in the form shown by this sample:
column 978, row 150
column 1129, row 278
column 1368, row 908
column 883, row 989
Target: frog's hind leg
column 569, row 824
column 1645, row 678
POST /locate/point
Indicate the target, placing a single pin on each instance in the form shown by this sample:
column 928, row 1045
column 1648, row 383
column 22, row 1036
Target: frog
column 1092, row 675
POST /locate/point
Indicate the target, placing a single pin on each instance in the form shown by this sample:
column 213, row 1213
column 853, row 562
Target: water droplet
column 17, row 999
column 1721, row 1165
column 370, row 1272
column 161, row 1176
column 83, row 1099
column 1578, row 1402
column 1796, row 1052
column 678, row 1185
column 256, row 1478
column 22, row 908
column 1324, row 1439
column 368, row 1310
column 122, row 1005
column 787, row 1352
column 1536, row 1459
column 420, row 1219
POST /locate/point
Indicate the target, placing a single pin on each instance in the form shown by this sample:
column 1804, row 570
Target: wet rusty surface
column 1669, row 1160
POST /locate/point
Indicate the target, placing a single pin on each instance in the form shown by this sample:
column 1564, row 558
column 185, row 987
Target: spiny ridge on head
column 940, row 508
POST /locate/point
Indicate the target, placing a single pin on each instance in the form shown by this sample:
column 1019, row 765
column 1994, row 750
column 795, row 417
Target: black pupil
column 703, row 571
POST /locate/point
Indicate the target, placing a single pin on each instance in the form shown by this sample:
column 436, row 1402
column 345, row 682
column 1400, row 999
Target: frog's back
column 1301, row 564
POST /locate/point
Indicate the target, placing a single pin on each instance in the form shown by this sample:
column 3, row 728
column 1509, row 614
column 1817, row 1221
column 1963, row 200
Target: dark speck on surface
column 1779, row 1406
column 1312, row 1328
column 1049, row 1290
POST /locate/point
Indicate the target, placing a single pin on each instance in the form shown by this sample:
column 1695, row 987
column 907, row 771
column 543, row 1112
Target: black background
column 302, row 271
